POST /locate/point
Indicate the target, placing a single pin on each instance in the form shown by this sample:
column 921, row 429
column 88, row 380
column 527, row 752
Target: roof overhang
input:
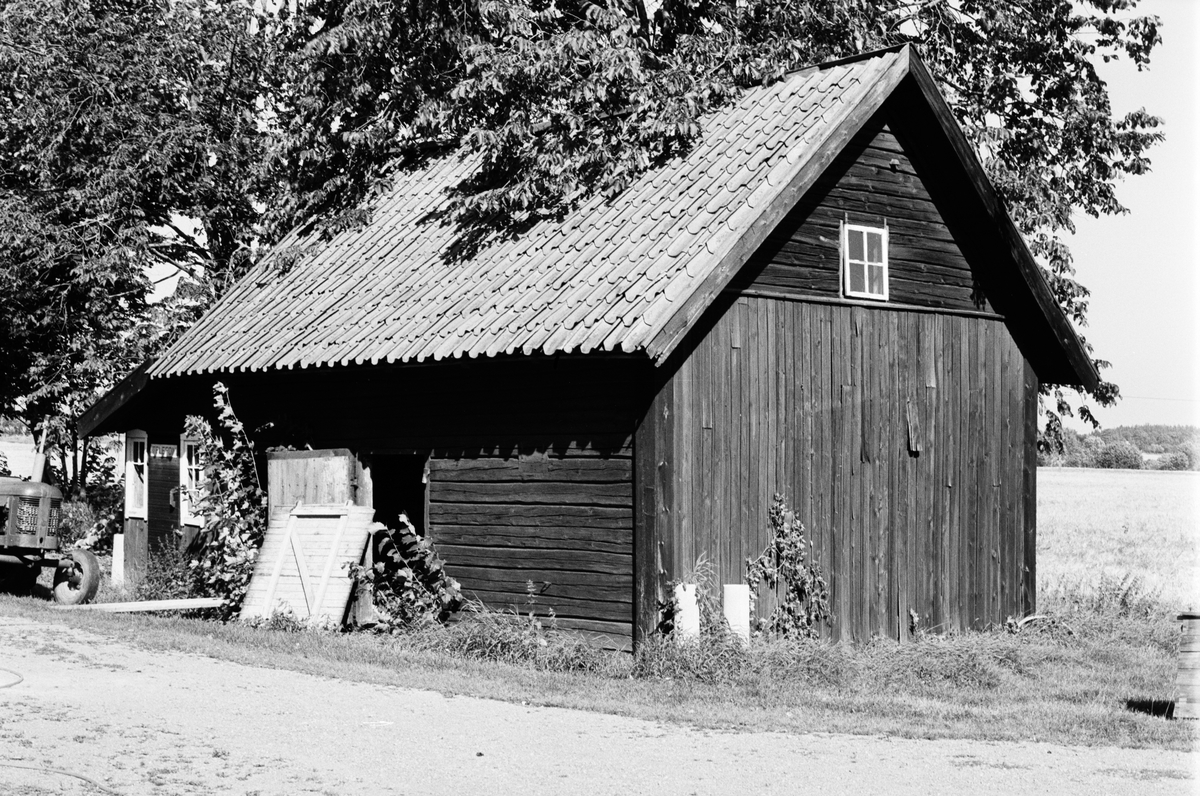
column 96, row 419
column 1034, row 301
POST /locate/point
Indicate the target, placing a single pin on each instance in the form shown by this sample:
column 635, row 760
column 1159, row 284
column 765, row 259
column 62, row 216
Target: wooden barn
column 824, row 298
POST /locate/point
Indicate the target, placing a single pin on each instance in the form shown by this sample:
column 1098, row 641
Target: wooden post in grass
column 1187, row 677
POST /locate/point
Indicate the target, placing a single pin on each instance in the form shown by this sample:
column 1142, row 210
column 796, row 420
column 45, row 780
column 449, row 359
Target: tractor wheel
column 18, row 578
column 76, row 583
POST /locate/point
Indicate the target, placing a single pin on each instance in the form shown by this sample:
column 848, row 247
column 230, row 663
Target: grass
column 1114, row 523
column 1070, row 682
column 1099, row 671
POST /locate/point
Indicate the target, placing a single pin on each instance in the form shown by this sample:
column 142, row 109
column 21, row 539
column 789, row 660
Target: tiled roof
column 609, row 276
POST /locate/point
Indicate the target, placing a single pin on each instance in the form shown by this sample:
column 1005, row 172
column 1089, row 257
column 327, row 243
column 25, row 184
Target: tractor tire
column 77, row 584
column 18, row 578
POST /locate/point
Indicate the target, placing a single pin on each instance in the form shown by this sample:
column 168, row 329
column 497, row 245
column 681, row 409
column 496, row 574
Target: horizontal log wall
column 898, row 437
column 530, row 468
column 561, row 526
column 872, row 182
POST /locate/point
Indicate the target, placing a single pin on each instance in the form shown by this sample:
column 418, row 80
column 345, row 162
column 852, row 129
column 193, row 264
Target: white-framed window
column 136, row 449
column 191, row 480
column 865, row 261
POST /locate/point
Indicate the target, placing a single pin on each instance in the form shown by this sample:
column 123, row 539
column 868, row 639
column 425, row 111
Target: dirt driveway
column 144, row 722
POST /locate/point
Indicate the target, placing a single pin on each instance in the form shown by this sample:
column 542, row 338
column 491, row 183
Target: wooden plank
column 646, row 532
column 1029, row 478
column 538, row 492
column 188, row 604
column 587, row 470
column 496, row 514
column 524, row 558
column 610, row 540
column 596, row 610
column 579, row 585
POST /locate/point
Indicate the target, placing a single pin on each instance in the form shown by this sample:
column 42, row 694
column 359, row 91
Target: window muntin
column 136, row 448
column 191, row 480
column 864, row 261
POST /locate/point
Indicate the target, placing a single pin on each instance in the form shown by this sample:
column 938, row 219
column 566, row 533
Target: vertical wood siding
column 872, row 182
column 900, row 438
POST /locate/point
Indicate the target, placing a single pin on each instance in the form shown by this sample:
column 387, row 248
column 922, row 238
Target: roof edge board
column 674, row 328
column 1031, row 272
column 109, row 403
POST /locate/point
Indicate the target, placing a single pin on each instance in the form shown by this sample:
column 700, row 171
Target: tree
column 128, row 137
column 1120, row 455
column 564, row 99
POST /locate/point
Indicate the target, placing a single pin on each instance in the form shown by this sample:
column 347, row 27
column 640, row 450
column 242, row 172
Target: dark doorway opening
column 398, row 487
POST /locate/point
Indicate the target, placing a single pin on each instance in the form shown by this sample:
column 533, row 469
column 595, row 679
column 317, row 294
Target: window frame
column 865, row 262
column 187, row 488
column 134, row 508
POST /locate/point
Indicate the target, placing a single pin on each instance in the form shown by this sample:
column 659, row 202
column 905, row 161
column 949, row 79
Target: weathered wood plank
column 610, row 540
column 571, row 493
column 468, row 555
column 565, row 607
column 532, row 515
column 548, row 469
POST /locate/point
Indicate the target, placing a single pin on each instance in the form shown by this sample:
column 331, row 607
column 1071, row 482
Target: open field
column 1095, row 524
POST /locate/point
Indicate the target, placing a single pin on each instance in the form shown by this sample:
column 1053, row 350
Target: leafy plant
column 233, row 504
column 167, row 576
column 788, row 568
column 408, row 579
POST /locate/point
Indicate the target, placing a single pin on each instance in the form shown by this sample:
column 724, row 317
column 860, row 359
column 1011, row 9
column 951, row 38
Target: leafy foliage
column 408, row 579
column 128, row 138
column 233, row 504
column 134, row 133
column 1178, row 448
column 1121, row 455
column 787, row 567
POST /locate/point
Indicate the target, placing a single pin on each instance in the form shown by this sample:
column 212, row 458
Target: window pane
column 857, row 278
column 876, row 272
column 138, row 486
column 855, row 238
column 875, row 247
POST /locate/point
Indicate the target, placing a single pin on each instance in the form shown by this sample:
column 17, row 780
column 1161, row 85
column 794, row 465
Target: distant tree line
column 1146, row 447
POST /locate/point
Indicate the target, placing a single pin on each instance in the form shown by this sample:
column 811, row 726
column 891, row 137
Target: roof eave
column 1083, row 371
column 675, row 327
column 93, row 421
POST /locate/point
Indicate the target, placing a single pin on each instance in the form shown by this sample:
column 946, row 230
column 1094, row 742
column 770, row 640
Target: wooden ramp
column 304, row 559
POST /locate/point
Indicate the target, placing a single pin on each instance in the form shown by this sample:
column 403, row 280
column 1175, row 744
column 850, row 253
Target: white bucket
column 118, row 560
column 737, row 610
column 687, row 611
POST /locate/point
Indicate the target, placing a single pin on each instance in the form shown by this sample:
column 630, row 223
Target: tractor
column 29, row 520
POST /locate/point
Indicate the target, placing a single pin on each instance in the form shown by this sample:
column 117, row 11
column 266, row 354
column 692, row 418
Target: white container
column 737, row 610
column 118, row 560
column 687, row 611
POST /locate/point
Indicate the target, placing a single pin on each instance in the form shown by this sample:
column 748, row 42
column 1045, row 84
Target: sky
column 1141, row 267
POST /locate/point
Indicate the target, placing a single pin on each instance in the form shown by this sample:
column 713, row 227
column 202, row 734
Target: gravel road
column 136, row 721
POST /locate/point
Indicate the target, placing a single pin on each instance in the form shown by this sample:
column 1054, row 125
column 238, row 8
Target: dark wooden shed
column 824, row 298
